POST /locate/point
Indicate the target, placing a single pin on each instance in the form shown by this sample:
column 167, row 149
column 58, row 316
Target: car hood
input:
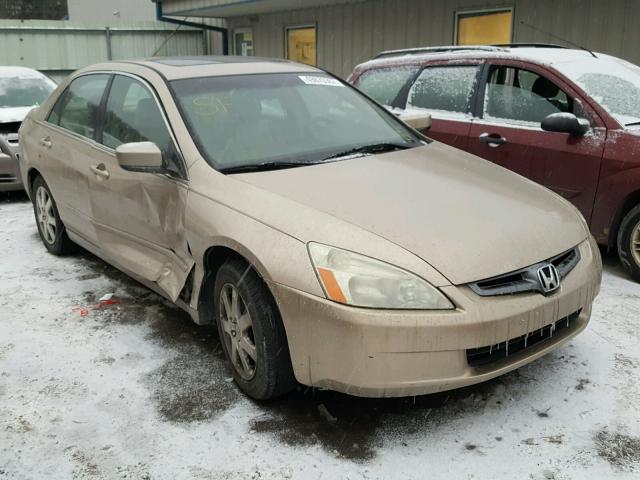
column 466, row 217
column 13, row 114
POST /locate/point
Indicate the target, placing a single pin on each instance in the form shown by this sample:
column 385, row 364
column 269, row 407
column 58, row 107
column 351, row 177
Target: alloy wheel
column 237, row 328
column 46, row 216
column 635, row 243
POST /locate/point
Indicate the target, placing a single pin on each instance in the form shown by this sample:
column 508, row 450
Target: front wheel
column 629, row 243
column 251, row 332
column 51, row 229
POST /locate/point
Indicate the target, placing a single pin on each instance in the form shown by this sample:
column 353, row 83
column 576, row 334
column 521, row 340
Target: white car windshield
column 284, row 119
column 16, row 91
column 612, row 82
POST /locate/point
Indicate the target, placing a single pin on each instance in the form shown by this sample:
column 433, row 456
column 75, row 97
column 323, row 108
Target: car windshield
column 285, row 119
column 612, row 82
column 16, row 91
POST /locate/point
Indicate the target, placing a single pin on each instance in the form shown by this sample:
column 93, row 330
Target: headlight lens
column 361, row 281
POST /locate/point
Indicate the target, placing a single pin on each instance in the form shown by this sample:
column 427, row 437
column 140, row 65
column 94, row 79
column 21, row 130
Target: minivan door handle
column 46, row 142
column 493, row 140
column 100, row 170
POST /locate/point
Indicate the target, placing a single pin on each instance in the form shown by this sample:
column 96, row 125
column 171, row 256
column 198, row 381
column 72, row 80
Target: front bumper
column 379, row 353
column 10, row 179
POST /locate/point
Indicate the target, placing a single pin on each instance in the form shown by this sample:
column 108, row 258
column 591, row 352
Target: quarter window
column 384, row 85
column 77, row 109
column 132, row 115
column 446, row 89
column 518, row 95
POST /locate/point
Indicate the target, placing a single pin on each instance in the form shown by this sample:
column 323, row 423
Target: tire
column 629, row 243
column 270, row 374
column 51, row 229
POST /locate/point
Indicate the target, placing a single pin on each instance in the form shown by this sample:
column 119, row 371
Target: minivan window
column 384, row 84
column 446, row 89
column 78, row 107
column 612, row 82
column 292, row 118
column 519, row 95
column 132, row 115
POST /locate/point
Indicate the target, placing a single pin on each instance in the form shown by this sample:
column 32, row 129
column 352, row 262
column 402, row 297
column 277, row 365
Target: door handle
column 493, row 140
column 46, row 142
column 100, row 170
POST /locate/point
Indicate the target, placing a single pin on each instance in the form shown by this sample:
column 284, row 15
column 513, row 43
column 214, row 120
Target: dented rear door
column 139, row 215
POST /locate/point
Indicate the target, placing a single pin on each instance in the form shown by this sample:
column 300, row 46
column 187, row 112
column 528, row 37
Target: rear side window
column 78, row 107
column 523, row 96
column 384, row 85
column 446, row 89
column 133, row 115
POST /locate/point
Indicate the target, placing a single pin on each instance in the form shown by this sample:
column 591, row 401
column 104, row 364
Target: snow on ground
column 137, row 391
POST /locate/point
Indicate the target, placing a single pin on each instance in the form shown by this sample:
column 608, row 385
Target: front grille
column 477, row 357
column 9, row 127
column 525, row 280
column 7, row 178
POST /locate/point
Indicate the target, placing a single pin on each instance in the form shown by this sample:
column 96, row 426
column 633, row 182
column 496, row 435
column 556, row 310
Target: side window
column 518, row 95
column 385, row 84
column 446, row 89
column 132, row 115
column 77, row 108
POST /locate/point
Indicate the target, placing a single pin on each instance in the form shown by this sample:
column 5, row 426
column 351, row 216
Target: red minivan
column 568, row 119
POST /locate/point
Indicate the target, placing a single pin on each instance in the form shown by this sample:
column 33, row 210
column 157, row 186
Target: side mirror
column 418, row 121
column 139, row 155
column 566, row 123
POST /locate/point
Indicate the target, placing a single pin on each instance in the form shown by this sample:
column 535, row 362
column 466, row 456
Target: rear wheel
column 629, row 243
column 251, row 332
column 51, row 229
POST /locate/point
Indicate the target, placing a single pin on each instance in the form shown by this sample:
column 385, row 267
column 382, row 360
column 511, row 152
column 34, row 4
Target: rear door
column 446, row 92
column 66, row 143
column 139, row 216
column 517, row 97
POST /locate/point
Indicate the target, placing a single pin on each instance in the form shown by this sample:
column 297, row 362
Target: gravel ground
column 135, row 390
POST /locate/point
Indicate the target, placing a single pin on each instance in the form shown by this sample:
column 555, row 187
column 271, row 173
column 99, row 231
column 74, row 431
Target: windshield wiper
column 262, row 167
column 631, row 124
column 373, row 148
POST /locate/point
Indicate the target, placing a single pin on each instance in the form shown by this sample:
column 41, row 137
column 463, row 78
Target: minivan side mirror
column 418, row 121
column 566, row 123
column 139, row 155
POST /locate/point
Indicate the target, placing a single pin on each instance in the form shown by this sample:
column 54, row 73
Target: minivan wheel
column 629, row 243
column 251, row 332
column 51, row 229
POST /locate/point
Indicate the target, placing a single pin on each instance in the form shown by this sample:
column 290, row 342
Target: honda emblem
column 549, row 278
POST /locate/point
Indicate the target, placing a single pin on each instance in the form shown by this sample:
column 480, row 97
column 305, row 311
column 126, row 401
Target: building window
column 243, row 42
column 301, row 44
column 484, row 27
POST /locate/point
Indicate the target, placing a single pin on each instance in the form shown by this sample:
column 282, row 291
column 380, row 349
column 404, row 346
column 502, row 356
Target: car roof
column 20, row 72
column 542, row 54
column 173, row 68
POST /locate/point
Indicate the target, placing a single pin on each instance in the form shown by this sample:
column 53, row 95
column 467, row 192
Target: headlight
column 360, row 281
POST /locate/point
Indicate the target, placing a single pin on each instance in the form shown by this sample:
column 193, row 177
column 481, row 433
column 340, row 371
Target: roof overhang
column 237, row 8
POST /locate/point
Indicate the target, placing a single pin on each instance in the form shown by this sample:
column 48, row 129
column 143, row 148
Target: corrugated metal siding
column 58, row 47
column 352, row 33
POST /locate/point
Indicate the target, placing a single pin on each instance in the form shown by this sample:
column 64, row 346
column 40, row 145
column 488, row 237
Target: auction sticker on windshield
column 313, row 80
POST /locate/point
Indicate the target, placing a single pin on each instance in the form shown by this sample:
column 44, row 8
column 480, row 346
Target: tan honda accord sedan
column 331, row 243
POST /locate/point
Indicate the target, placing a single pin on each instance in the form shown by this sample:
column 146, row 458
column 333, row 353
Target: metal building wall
column 58, row 48
column 352, row 33
column 214, row 40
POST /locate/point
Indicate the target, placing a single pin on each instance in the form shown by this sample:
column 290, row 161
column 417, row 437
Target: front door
column 446, row 92
column 508, row 133
column 139, row 216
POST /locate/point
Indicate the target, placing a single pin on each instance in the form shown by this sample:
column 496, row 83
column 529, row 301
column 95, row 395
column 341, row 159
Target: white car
column 20, row 90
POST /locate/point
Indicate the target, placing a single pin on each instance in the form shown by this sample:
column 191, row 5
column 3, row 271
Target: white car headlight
column 361, row 281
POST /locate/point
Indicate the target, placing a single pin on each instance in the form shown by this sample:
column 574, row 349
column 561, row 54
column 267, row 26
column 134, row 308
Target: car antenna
column 522, row 22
